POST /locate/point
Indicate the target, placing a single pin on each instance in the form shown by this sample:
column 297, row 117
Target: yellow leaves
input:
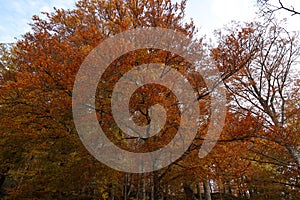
column 105, row 195
column 86, row 49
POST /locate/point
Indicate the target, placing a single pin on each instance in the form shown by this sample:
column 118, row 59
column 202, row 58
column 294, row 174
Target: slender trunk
column 125, row 187
column 229, row 188
column 111, row 192
column 221, row 189
column 251, row 194
column 199, row 195
column 143, row 187
column 138, row 191
column 152, row 192
column 245, row 194
column 189, row 193
column 156, row 185
column 207, row 190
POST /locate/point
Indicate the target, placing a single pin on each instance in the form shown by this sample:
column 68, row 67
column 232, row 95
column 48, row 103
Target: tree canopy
column 256, row 157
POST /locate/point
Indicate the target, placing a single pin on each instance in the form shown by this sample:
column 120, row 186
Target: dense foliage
column 42, row 157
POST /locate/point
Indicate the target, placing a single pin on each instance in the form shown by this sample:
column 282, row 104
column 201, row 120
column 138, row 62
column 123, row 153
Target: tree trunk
column 207, row 190
column 143, row 187
column 152, row 192
column 156, row 186
column 125, row 186
column 229, row 188
column 199, row 195
column 189, row 193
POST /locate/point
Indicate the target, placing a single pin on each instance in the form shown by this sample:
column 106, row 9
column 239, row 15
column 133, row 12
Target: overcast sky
column 207, row 14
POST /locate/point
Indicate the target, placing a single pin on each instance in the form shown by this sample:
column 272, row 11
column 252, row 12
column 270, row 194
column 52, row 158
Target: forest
column 256, row 156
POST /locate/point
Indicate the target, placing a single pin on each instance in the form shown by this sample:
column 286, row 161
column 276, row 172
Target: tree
column 43, row 156
column 261, row 89
column 265, row 80
column 35, row 103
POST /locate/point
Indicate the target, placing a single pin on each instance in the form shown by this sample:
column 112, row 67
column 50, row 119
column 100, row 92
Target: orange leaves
column 36, row 115
column 37, row 100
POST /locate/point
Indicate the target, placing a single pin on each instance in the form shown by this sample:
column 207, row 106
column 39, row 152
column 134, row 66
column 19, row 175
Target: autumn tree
column 45, row 153
column 267, row 80
column 44, row 158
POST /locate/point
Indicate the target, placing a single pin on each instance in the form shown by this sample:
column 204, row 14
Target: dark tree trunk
column 189, row 193
column 156, row 186
column 207, row 190
column 199, row 195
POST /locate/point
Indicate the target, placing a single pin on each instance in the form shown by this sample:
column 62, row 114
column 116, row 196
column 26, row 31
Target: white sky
column 207, row 14
column 210, row 15
column 213, row 14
